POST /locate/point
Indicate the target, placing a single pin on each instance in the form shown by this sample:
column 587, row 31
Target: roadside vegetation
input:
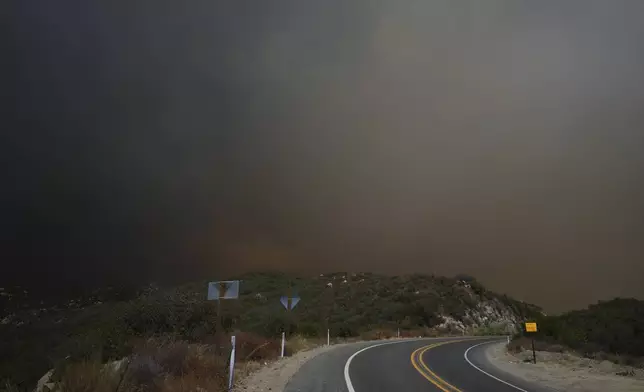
column 166, row 339
column 609, row 330
column 75, row 337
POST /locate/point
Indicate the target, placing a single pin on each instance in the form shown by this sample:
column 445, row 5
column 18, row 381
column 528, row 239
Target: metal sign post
column 531, row 328
column 220, row 316
column 327, row 304
column 289, row 304
column 218, row 291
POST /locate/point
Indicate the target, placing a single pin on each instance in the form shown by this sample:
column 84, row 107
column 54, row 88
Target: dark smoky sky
column 179, row 140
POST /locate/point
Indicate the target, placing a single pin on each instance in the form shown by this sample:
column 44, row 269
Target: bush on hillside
column 615, row 326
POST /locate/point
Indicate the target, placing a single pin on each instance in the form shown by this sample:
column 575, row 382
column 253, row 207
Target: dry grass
column 383, row 333
column 191, row 382
column 297, row 343
column 7, row 386
column 176, row 366
column 254, row 347
column 164, row 365
column 624, row 360
column 87, row 376
column 521, row 344
column 525, row 344
column 157, row 366
column 378, row 334
column 422, row 332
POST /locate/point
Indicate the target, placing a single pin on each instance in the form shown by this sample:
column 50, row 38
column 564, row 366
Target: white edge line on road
column 347, row 379
column 481, row 370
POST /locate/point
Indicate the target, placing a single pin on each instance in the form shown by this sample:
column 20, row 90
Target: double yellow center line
column 425, row 371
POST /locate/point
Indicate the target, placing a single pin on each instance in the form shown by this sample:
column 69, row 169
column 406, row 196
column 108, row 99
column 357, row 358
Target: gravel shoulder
column 565, row 371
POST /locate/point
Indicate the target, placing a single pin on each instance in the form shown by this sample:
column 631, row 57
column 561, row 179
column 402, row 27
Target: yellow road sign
column 531, row 327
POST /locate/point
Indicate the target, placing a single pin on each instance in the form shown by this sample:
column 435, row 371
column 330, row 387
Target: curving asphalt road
column 426, row 365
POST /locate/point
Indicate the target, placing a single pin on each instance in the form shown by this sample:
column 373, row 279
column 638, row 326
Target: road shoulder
column 274, row 375
column 563, row 372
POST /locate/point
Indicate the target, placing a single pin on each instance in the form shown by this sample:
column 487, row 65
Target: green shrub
column 612, row 327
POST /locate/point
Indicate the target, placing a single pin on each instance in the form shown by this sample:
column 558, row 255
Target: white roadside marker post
column 231, row 374
column 283, row 344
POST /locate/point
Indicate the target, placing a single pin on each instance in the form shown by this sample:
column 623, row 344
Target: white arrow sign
column 289, row 303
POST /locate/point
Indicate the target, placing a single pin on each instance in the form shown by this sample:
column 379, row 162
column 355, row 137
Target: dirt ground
column 566, row 371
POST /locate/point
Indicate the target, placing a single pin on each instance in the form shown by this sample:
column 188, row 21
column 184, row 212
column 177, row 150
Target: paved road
column 424, row 365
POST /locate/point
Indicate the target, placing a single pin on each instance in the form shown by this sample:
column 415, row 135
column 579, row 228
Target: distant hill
column 37, row 336
column 615, row 326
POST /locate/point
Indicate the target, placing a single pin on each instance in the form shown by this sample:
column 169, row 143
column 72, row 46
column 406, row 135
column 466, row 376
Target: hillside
column 353, row 303
column 615, row 326
column 107, row 326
